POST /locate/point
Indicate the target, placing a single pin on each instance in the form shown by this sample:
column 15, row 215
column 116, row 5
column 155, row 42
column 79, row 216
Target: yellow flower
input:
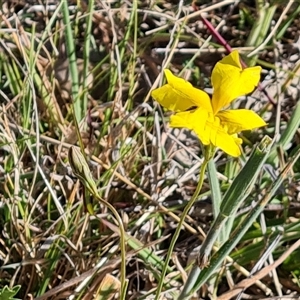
column 196, row 111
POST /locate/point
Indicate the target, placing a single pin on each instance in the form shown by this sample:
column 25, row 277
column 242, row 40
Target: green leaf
column 236, row 194
column 7, row 293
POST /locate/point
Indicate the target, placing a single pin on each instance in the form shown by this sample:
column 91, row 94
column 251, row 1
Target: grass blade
column 236, row 194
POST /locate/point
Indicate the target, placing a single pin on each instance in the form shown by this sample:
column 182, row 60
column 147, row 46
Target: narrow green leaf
column 236, row 194
column 70, row 47
column 220, row 255
column 8, row 293
column 215, row 193
column 288, row 134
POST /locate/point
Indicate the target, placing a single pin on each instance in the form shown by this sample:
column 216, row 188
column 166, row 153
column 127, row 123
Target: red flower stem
column 216, row 34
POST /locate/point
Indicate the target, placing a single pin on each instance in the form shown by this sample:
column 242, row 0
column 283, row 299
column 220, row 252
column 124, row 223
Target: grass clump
column 79, row 76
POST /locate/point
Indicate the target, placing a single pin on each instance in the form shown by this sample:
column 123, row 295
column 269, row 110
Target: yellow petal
column 179, row 95
column 240, row 119
column 232, row 59
column 193, row 120
column 181, row 120
column 208, row 129
column 230, row 81
column 218, row 136
column 200, row 119
column 228, row 143
column 211, row 129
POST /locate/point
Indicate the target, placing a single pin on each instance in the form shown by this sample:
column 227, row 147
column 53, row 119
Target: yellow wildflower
column 196, row 111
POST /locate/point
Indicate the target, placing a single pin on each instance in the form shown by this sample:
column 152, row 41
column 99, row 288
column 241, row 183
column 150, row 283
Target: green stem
column 182, row 218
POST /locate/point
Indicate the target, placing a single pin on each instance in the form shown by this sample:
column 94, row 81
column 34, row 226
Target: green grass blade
column 215, row 194
column 260, row 27
column 288, row 134
column 86, row 55
column 236, row 194
column 237, row 235
column 70, row 47
column 287, row 23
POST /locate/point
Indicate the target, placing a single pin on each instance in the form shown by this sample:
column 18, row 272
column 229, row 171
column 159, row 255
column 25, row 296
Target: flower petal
column 218, row 136
column 208, row 129
column 181, row 120
column 193, row 120
column 230, row 81
column 179, row 95
column 240, row 119
column 228, row 143
column 232, row 59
